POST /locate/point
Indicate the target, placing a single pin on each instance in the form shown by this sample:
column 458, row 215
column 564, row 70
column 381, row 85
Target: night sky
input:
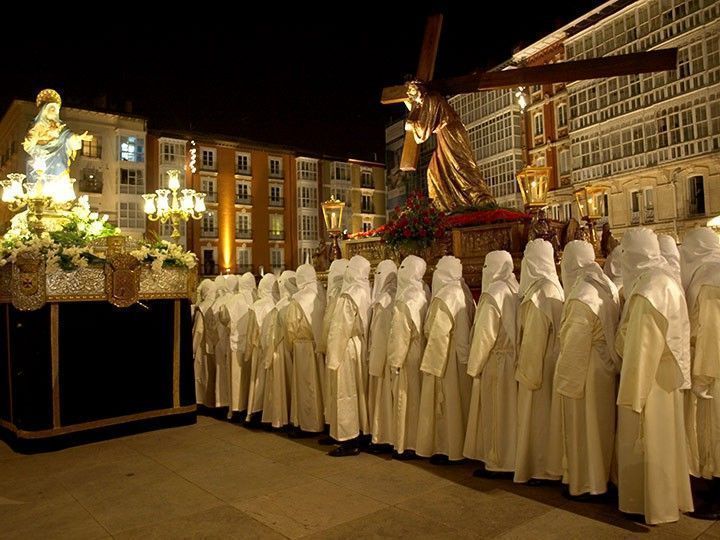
column 302, row 75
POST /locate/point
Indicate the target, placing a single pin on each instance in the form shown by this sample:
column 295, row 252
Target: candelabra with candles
column 46, row 197
column 166, row 205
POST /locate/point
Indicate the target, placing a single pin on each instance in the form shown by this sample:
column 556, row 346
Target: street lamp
column 166, row 205
column 588, row 209
column 332, row 213
column 533, row 182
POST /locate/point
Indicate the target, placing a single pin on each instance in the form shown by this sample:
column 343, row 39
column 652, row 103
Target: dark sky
column 303, row 75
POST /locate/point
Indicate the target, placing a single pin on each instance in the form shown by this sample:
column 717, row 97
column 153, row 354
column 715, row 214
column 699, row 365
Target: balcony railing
column 649, row 215
column 244, row 172
column 209, row 233
column 211, row 196
column 277, row 235
column 365, row 209
column 243, row 199
column 242, row 268
column 368, row 184
column 635, row 218
column 276, row 201
column 243, row 233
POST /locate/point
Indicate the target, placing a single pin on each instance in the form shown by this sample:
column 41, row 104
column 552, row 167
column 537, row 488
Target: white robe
column 443, row 415
column 539, row 434
column 586, row 380
column 278, row 367
column 259, row 327
column 402, row 381
column 651, row 449
column 306, row 407
column 492, row 420
column 380, row 382
column 220, row 340
column 704, row 317
column 235, row 311
column 346, row 355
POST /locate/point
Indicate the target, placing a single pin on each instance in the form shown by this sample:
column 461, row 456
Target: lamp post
column 166, row 205
column 332, row 213
column 588, row 210
column 43, row 198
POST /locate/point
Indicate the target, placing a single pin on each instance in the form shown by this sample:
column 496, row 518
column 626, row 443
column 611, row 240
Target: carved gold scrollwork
column 28, row 282
column 122, row 280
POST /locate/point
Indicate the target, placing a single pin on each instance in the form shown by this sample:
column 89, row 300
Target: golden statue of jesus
column 454, row 179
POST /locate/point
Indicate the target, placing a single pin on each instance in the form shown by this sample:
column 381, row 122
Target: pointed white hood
column 384, row 283
column 310, row 300
column 411, row 289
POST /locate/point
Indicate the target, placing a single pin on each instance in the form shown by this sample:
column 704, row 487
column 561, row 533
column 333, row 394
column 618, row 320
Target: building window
column 131, row 181
column 130, row 216
column 242, row 193
column 93, row 148
column 91, row 181
column 366, row 179
column 562, row 115
column 367, row 226
column 277, row 258
column 340, row 171
column 307, row 197
column 538, row 123
column 648, row 205
column 243, row 225
column 208, row 185
column 208, row 259
column 276, row 198
column 567, row 211
column 277, row 227
column 244, row 259
column 697, row 194
column 275, row 165
column 242, row 163
column 172, row 153
column 208, row 224
column 307, row 170
column 132, row 149
column 366, row 204
column 308, row 228
column 208, row 158
column 564, row 158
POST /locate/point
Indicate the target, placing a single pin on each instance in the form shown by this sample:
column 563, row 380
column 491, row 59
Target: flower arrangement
column 164, row 254
column 66, row 243
column 419, row 222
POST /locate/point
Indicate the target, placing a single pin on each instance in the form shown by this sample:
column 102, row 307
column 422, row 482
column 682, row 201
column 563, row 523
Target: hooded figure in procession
column 653, row 340
column 492, row 420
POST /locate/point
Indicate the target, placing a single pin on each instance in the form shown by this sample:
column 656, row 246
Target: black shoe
column 349, row 448
column 377, row 449
column 536, row 482
column 327, row 441
column 364, row 441
column 407, row 455
column 440, row 459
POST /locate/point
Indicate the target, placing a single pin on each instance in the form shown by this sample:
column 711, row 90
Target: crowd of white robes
column 594, row 377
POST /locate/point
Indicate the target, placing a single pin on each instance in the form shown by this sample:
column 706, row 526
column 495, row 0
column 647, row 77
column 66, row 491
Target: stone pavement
column 220, row 480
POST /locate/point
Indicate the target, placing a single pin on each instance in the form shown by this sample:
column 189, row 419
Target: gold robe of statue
column 454, row 179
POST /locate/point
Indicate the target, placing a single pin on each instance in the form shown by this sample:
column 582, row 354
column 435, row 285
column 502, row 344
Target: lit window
column 93, row 148
column 132, row 149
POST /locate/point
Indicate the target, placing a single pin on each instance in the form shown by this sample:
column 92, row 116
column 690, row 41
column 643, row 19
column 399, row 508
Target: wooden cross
column 594, row 68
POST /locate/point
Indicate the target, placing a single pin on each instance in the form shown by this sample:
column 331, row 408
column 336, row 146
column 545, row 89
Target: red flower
column 407, row 233
column 422, row 233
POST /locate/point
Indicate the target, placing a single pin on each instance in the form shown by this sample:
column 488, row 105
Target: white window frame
column 208, row 185
column 136, row 221
column 138, row 188
column 132, row 149
column 247, row 159
column 275, row 172
column 208, row 158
